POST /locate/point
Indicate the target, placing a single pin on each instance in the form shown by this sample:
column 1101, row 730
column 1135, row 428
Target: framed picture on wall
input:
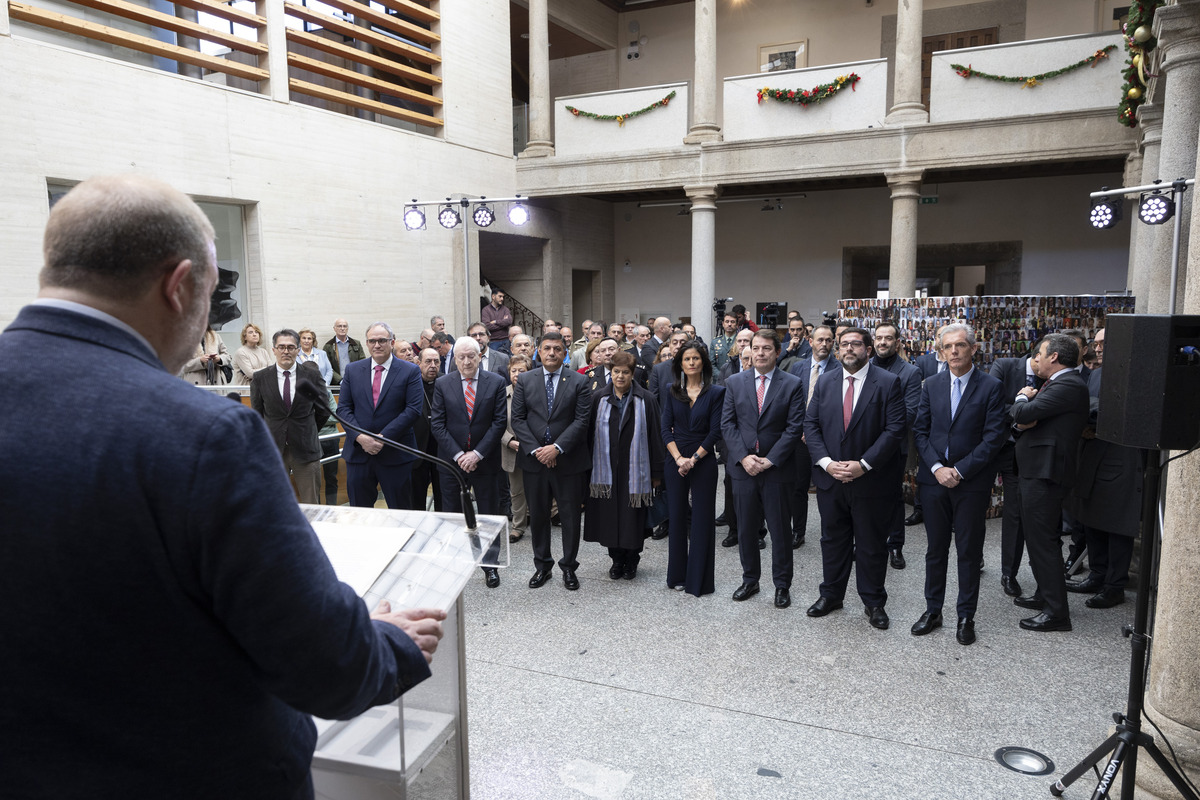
column 783, row 56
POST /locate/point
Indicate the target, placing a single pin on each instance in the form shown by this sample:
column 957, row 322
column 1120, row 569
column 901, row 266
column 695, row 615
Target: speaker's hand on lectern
column 423, row 625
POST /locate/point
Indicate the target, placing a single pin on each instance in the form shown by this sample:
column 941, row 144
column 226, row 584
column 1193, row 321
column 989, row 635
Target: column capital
column 905, row 182
column 703, row 196
column 1177, row 29
column 1150, row 119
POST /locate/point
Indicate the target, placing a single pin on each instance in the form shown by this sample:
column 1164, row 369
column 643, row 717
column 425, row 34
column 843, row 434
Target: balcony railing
column 954, row 98
column 376, row 56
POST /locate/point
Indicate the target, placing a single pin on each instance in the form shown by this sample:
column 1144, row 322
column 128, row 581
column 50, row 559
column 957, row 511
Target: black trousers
column 425, row 475
column 1109, row 555
column 541, row 488
column 950, row 513
column 755, row 498
column 364, row 482
column 330, row 470
column 853, row 533
column 1041, row 516
column 1012, row 532
column 799, row 493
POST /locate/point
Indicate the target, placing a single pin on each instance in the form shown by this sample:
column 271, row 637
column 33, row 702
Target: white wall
column 796, row 254
column 326, row 192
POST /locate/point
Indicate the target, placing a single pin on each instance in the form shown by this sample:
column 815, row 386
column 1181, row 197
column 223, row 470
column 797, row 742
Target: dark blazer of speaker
column 1150, row 383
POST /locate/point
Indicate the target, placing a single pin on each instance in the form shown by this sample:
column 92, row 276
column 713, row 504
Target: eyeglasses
column 847, row 345
column 286, row 348
column 374, row 342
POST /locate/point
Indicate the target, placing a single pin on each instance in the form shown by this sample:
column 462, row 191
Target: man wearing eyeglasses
column 383, row 395
column 292, row 419
column 853, row 428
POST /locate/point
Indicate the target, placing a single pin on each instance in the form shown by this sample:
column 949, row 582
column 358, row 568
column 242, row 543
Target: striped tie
column 470, row 399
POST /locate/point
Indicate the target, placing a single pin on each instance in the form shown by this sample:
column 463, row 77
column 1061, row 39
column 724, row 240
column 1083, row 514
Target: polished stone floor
column 626, row 689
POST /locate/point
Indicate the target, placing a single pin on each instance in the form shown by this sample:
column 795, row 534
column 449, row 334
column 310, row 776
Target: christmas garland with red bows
column 1139, row 41
column 621, row 118
column 807, row 97
column 1029, row 81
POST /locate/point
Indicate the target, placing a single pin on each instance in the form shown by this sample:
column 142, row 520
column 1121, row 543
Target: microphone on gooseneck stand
column 308, row 389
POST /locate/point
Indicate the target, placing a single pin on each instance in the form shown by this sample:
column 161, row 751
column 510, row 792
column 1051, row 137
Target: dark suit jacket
column 1049, row 449
column 874, row 435
column 400, row 402
column 296, row 428
column 454, row 433
column 973, row 437
column 497, row 363
column 1011, row 374
column 777, row 430
column 1107, row 494
column 650, row 351
column 215, row 623
column 423, row 428
column 660, row 382
column 567, row 422
column 928, row 364
column 355, row 353
column 910, row 387
column 802, row 369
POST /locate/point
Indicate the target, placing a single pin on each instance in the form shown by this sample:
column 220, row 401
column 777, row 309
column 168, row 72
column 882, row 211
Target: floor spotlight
column 1155, row 208
column 483, row 216
column 1106, row 212
column 1024, row 760
column 518, row 214
column 414, row 218
column 448, row 217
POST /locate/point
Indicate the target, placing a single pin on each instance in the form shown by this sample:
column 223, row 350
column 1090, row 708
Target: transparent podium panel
column 417, row 745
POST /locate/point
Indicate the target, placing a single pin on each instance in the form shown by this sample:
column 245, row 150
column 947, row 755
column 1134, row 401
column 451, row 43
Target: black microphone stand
column 308, row 389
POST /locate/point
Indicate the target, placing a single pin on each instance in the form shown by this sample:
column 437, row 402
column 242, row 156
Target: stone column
column 906, row 197
column 1178, row 31
column 540, row 143
column 1144, row 245
column 5, row 25
column 704, row 257
column 704, row 86
column 1133, row 177
column 906, row 92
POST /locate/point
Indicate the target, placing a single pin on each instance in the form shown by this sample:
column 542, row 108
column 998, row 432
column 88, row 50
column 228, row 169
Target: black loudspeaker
column 1150, row 385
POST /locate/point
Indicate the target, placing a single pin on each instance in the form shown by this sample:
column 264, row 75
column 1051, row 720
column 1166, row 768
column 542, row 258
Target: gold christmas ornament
column 1142, row 34
column 1136, row 61
column 1134, row 93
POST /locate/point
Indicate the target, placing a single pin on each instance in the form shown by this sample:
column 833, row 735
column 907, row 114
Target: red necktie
column 376, row 384
column 762, row 391
column 470, row 396
column 848, row 404
column 287, row 390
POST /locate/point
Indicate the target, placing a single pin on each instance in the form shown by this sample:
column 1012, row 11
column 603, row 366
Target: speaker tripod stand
column 1124, row 743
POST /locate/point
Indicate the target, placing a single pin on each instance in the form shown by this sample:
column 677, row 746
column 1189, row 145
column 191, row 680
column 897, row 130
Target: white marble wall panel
column 665, row 126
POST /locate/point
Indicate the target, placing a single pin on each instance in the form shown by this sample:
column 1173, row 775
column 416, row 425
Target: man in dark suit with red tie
column 383, row 395
column 550, row 410
column 470, row 414
column 959, row 430
column 1051, row 421
column 292, row 419
column 761, row 422
column 853, row 429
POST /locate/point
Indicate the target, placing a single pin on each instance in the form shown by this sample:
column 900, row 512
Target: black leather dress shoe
column 721, row 521
column 879, row 617
column 928, row 623
column 745, row 591
column 1029, row 601
column 539, row 578
column 730, row 541
column 569, row 579
column 797, row 540
column 783, row 598
column 1010, row 587
column 966, row 631
column 896, row 558
column 1106, row 599
column 762, row 541
column 491, row 577
column 661, row 531
column 823, row 606
column 1072, row 562
column 1087, row 586
column 1045, row 622
column 630, row 572
column 915, row 518
column 615, row 571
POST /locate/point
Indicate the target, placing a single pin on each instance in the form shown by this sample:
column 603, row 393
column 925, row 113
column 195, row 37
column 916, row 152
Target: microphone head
column 307, row 389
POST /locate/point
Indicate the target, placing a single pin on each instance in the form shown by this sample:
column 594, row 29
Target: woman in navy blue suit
column 691, row 425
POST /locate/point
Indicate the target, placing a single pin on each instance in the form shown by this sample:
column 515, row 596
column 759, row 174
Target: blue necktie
column 955, row 399
column 549, row 404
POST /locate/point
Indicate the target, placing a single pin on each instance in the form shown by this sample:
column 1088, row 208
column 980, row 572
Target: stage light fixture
column 483, row 216
column 1155, row 208
column 414, row 218
column 448, row 217
column 518, row 214
column 1106, row 212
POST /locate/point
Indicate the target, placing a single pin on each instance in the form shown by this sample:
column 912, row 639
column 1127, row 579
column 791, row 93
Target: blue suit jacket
column 401, row 399
column 874, row 435
column 215, row 623
column 777, row 430
column 454, row 433
column 928, row 365
column 803, row 370
column 973, row 437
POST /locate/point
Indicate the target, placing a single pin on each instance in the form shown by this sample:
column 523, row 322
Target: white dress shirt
column 859, row 379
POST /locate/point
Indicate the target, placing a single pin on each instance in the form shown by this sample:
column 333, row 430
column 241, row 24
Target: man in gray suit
column 550, row 411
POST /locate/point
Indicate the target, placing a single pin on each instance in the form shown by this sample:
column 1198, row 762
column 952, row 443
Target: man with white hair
column 470, row 414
